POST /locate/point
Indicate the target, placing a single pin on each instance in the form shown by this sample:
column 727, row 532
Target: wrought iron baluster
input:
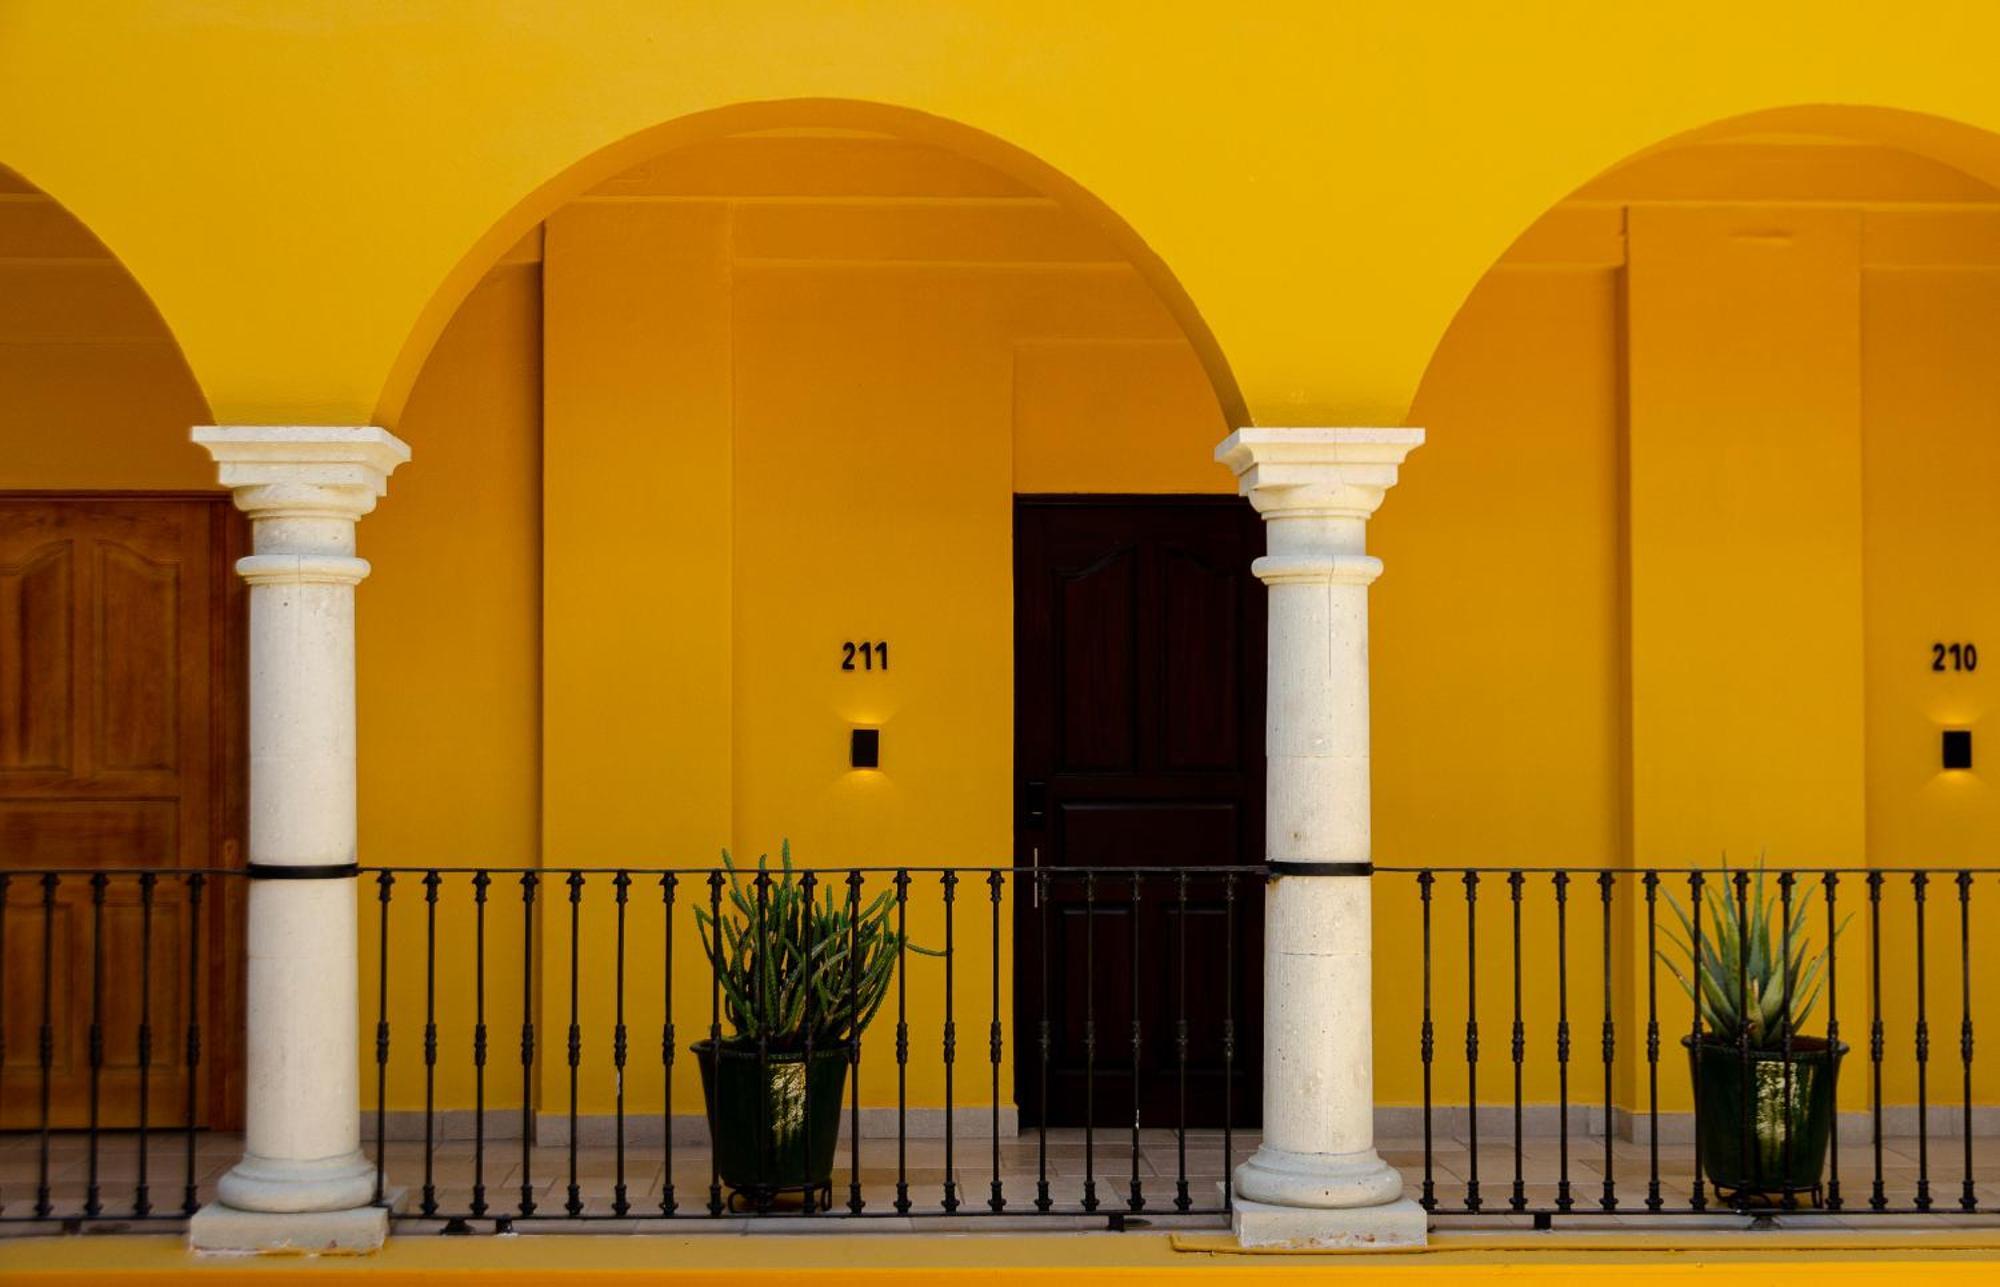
column 1565, row 1198
column 997, row 1202
column 902, row 1203
column 385, row 883
column 1654, row 1201
column 93, row 1202
column 766, row 1146
column 573, row 1050
column 1919, row 884
column 1228, row 1040
column 1517, row 1198
column 1043, row 1037
column 1471, row 881
column 46, row 1037
column 949, row 881
column 1182, row 1198
column 1747, row 1168
column 191, row 1047
column 530, row 883
column 1785, row 999
column 1609, row 1200
column 715, row 1205
column 1427, row 1046
column 1878, row 1196
column 669, row 884
column 1089, row 1040
column 142, row 1202
column 1697, row 1191
column 1968, row 1198
column 432, row 880
column 854, row 964
column 1136, row 1199
column 808, row 883
column 621, row 885
column 1829, row 883
column 481, row 880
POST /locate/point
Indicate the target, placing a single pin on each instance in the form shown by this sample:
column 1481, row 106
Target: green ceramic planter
column 771, row 1136
column 1784, row 1148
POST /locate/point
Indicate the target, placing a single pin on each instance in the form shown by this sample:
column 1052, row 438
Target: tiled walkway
column 1071, row 1162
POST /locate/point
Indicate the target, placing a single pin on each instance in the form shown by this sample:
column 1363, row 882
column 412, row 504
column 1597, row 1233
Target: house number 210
column 1955, row 656
column 865, row 655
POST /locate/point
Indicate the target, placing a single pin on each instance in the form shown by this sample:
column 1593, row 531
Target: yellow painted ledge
column 975, row 1260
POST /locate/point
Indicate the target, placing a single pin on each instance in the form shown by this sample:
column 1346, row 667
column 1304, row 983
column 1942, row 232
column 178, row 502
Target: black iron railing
column 88, row 1022
column 1590, row 1009
column 534, row 1033
column 1116, row 1043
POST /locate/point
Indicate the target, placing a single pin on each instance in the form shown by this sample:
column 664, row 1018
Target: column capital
column 304, row 471
column 1328, row 473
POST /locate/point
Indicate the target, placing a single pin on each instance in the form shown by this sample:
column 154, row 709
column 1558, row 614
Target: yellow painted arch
column 296, row 186
column 61, row 235
column 627, row 152
column 1974, row 151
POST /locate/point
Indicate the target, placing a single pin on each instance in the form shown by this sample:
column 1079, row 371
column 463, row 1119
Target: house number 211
column 865, row 655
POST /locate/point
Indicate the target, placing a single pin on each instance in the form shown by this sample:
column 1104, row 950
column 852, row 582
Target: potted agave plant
column 799, row 980
column 1764, row 1089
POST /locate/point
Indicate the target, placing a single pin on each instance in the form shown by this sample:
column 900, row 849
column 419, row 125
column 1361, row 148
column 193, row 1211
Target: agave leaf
column 797, row 959
column 1802, row 1011
column 1679, row 978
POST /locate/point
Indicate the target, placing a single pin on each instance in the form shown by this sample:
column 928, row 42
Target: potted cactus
column 1764, row 1090
column 799, row 978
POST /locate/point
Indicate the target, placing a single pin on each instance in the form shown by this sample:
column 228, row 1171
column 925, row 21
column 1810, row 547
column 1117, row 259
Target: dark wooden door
column 120, row 687
column 1139, row 754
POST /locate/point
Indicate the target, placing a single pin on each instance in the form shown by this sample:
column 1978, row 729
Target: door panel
column 1139, row 660
column 120, row 630
column 37, row 604
column 138, row 623
column 1097, row 613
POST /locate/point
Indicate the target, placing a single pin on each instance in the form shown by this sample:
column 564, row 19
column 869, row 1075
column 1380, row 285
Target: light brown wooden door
column 119, row 687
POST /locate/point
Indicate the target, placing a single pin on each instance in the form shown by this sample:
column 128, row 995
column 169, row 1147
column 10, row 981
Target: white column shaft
column 302, row 794
column 304, row 489
column 302, row 1069
column 1316, row 723
column 1316, row 489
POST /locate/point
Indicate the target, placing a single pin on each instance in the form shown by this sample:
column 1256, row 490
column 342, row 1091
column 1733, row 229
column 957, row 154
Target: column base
column 281, row 1186
column 353, row 1232
column 1328, row 1180
column 1401, row 1223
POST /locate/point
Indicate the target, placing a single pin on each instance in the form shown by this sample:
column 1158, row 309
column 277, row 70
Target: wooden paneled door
column 1139, row 743
column 121, row 698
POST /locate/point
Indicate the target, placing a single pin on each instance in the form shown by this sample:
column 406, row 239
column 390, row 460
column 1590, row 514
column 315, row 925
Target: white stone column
column 303, row 1182
column 1317, row 1180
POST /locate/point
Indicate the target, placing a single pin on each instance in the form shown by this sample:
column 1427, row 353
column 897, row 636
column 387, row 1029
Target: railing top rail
column 1774, row 869
column 11, row 873
column 750, row 869
column 915, row 869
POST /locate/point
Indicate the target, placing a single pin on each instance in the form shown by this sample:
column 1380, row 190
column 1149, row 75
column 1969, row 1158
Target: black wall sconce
column 864, row 748
column 1958, row 748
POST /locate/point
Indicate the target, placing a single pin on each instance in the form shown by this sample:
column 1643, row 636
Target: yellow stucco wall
column 1701, row 480
column 1404, row 145
column 1627, row 612
column 793, row 384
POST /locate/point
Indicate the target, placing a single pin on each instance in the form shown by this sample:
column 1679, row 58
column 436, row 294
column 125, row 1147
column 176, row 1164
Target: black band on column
column 302, row 871
column 1321, row 868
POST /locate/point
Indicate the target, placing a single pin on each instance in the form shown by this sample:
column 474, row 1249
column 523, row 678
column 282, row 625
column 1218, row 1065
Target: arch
column 89, row 367
column 1968, row 148
column 717, row 123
